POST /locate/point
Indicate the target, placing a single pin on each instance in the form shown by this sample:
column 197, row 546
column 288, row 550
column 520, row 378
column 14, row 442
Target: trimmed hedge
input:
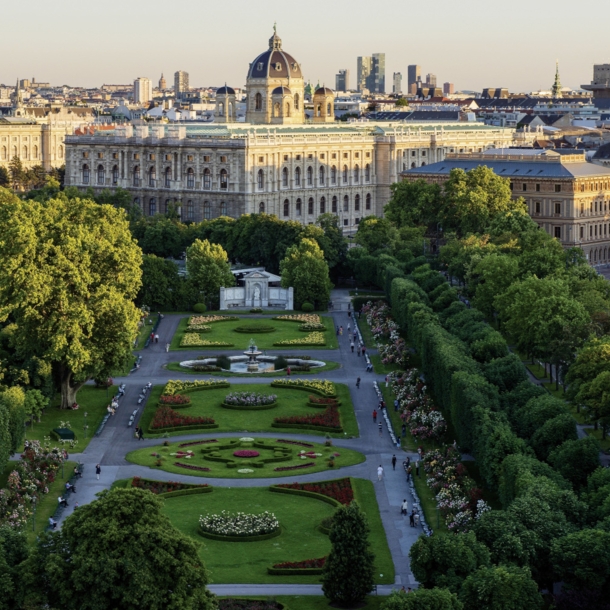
column 240, row 538
column 224, row 405
column 304, row 492
column 180, row 428
column 307, row 427
column 254, row 329
column 186, row 492
column 62, row 434
column 302, row 387
column 219, row 384
column 317, row 405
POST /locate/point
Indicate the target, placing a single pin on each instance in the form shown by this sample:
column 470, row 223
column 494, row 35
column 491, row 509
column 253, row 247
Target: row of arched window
column 308, row 179
column 258, row 102
column 223, row 178
column 188, row 210
column 310, row 210
column 100, row 175
column 25, row 152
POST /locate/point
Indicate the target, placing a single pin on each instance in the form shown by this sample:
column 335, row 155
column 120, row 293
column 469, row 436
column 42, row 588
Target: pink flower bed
column 246, row 453
column 300, row 443
column 282, row 468
column 176, row 399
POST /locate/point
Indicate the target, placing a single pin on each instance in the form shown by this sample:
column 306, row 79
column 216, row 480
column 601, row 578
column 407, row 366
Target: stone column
column 223, row 303
column 290, row 304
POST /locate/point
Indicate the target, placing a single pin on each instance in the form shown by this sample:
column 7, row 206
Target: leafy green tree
column 17, row 172
column 597, row 494
column 120, row 551
column 402, row 102
column 531, row 416
column 5, row 437
column 496, row 273
column 305, row 269
column 472, row 200
column 35, row 403
column 13, row 552
column 375, row 234
column 208, row 269
column 576, row 460
column 333, row 244
column 121, row 198
column 596, row 395
column 348, row 575
column 414, row 204
column 13, row 400
column 70, row 273
column 553, row 433
column 512, row 223
column 423, row 599
column 5, row 177
column 501, row 588
column 582, row 560
column 160, row 283
column 445, row 560
column 161, row 236
column 541, row 255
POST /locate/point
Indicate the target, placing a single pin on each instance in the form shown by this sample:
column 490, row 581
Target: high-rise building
column 342, row 80
column 448, row 88
column 413, row 76
column 431, row 80
column 377, row 76
column 364, row 72
column 142, row 90
column 397, row 83
column 181, row 83
column 162, row 83
column 600, row 85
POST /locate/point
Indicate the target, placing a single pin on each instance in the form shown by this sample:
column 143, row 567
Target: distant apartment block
column 142, row 90
column 448, row 88
column 397, row 83
column 431, row 80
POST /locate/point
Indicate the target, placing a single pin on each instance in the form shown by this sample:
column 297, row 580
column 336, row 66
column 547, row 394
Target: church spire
column 556, row 89
column 275, row 42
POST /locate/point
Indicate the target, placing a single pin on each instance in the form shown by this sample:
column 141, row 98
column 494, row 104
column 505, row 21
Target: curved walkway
column 117, row 440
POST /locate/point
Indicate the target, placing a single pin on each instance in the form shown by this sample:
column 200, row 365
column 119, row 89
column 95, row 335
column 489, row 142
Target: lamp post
column 85, row 425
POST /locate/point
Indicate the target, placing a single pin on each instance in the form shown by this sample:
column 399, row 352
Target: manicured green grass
column 550, row 387
column 365, row 330
column 290, row 402
column 428, row 503
column 93, row 401
column 329, row 366
column 247, row 562
column 317, row 602
column 346, row 457
column 285, row 330
column 143, row 334
column 597, row 434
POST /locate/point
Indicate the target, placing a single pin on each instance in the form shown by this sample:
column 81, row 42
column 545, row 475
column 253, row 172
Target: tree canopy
column 71, row 271
column 208, row 269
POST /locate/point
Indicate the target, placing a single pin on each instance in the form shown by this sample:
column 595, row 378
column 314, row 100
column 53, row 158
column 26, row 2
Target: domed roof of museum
column 225, row 91
column 324, row 91
column 275, row 63
column 281, row 91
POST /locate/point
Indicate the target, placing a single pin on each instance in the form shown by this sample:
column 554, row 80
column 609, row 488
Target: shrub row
column 224, row 405
column 254, row 329
column 181, row 428
column 302, row 492
column 258, row 538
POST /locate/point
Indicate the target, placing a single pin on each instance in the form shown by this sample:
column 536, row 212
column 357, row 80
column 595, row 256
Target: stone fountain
column 252, row 354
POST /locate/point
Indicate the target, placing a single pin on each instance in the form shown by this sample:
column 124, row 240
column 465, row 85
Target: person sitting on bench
column 62, row 502
column 52, row 523
column 77, row 472
column 70, row 487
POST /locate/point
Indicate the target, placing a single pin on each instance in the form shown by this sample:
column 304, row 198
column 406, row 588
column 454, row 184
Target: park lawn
column 94, row 401
column 365, row 331
column 143, row 334
column 428, row 503
column 175, row 366
column 597, row 434
column 550, row 387
column 48, row 504
column 317, row 602
column 224, row 332
column 206, row 403
column 144, row 457
column 299, row 516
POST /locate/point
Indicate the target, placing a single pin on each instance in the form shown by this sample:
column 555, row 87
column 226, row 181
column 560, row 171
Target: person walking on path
column 394, row 462
column 341, row 330
column 98, row 471
column 374, row 415
column 363, row 350
column 409, row 473
column 387, row 381
column 157, row 338
column 380, row 472
column 349, row 326
column 404, row 430
column 140, row 434
column 412, row 518
column 167, row 347
column 352, row 346
column 380, row 428
column 358, row 351
column 404, row 507
column 358, row 383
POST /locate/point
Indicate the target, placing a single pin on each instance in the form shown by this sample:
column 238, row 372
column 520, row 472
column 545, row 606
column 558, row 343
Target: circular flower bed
column 241, row 525
column 246, row 453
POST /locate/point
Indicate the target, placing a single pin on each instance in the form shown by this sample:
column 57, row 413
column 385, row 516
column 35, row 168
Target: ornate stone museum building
column 276, row 162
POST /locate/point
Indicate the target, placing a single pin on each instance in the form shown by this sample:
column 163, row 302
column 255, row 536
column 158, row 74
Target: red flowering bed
column 296, row 565
column 297, row 467
column 209, row 440
column 329, row 418
column 176, row 399
column 319, row 400
column 340, row 490
column 246, row 453
column 192, row 467
column 165, row 417
column 300, row 443
column 161, row 487
column 248, row 604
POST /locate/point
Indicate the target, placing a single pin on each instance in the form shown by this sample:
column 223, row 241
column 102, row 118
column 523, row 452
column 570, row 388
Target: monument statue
column 257, row 293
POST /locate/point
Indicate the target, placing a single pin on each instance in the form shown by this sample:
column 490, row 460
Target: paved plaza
column 117, row 440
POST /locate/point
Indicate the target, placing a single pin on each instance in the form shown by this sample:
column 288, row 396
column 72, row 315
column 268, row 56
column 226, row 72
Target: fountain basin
column 239, row 364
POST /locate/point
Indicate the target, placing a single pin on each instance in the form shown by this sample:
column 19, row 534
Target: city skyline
column 526, row 67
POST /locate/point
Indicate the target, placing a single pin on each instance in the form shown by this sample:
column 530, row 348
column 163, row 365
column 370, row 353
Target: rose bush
column 329, row 418
column 239, row 524
column 161, row 487
column 175, row 399
column 249, row 399
column 246, row 453
column 340, row 490
column 166, row 417
column 307, row 563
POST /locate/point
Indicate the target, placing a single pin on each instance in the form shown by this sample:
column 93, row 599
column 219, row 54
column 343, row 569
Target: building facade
column 413, row 77
column 181, row 83
column 276, row 162
column 142, row 90
column 568, row 197
column 342, row 80
column 363, row 72
column 376, row 82
column 397, row 83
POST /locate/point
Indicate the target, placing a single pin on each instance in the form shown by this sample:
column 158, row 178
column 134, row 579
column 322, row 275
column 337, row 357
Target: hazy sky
column 481, row 43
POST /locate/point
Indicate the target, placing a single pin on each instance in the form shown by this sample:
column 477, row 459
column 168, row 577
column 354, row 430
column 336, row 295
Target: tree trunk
column 68, row 388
